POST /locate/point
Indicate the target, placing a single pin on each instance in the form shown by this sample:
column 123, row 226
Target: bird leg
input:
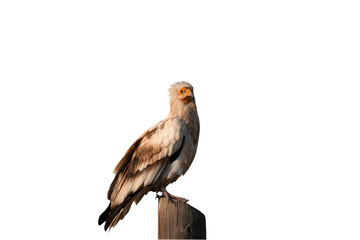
column 171, row 197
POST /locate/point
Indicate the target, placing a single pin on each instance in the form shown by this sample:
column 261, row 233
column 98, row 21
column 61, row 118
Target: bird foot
column 171, row 197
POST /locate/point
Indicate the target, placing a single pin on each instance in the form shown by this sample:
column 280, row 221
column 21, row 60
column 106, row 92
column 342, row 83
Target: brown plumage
column 157, row 158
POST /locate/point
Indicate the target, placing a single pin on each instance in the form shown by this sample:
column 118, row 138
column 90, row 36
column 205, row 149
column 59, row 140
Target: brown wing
column 141, row 166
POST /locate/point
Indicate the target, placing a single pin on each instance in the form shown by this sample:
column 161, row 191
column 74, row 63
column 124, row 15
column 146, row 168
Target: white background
column 277, row 89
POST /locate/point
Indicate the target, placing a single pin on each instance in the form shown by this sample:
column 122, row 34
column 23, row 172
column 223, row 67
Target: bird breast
column 181, row 164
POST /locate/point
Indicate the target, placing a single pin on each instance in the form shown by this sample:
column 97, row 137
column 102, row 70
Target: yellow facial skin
column 185, row 95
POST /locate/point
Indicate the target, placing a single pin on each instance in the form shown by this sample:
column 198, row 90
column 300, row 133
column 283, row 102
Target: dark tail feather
column 111, row 215
column 104, row 215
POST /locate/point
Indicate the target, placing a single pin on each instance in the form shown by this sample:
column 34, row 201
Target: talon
column 171, row 197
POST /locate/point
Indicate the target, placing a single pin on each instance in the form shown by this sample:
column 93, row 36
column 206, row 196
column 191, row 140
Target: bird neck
column 188, row 113
column 185, row 111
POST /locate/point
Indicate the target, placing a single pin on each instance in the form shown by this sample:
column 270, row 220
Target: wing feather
column 146, row 159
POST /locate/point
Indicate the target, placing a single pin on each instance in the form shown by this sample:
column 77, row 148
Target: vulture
column 157, row 158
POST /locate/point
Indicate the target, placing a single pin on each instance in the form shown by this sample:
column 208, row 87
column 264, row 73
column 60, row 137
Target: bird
column 157, row 158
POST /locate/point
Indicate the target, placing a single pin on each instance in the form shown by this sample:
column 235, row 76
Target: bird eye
column 181, row 91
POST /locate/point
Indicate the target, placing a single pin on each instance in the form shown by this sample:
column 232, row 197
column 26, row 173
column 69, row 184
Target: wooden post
column 179, row 220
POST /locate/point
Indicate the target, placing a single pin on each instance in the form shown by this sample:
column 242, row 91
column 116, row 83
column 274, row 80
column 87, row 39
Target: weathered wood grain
column 179, row 220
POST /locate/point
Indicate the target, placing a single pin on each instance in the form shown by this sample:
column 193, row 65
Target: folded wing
column 142, row 165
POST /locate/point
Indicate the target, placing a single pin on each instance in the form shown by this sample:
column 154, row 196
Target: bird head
column 185, row 94
column 182, row 91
